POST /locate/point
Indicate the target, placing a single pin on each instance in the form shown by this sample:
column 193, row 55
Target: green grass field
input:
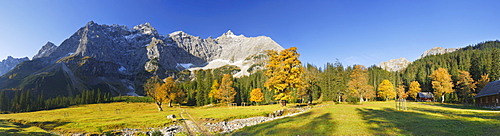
column 381, row 118
column 371, row 118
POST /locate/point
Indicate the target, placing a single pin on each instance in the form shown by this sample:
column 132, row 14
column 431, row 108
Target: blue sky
column 363, row 32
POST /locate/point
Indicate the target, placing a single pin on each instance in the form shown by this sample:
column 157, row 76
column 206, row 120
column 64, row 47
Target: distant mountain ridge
column 401, row 63
column 117, row 59
column 438, row 50
column 9, row 63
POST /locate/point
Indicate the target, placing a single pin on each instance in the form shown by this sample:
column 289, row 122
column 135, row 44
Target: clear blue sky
column 354, row 31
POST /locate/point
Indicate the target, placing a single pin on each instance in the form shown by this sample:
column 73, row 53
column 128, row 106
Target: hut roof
column 491, row 88
column 425, row 95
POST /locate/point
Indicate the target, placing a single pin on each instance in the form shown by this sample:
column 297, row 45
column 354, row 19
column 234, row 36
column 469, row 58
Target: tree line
column 24, row 101
column 452, row 77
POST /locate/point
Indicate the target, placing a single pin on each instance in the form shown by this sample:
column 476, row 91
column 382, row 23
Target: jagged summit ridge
column 437, row 50
column 46, row 50
column 116, row 58
column 9, row 63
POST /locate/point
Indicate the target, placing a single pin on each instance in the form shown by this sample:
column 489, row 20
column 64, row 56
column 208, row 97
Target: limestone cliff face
column 437, row 50
column 113, row 57
column 395, row 64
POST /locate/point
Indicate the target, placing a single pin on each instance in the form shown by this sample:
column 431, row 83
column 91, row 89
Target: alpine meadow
column 296, row 68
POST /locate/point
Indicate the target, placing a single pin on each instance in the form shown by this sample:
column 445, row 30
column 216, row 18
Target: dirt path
column 192, row 127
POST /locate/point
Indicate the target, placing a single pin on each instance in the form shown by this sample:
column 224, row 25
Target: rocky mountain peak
column 146, row 28
column 395, row 64
column 437, row 50
column 46, row 50
column 230, row 34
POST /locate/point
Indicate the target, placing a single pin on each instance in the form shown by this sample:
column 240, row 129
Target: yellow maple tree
column 414, row 89
column 441, row 83
column 284, row 71
column 256, row 95
column 214, row 90
column 386, row 90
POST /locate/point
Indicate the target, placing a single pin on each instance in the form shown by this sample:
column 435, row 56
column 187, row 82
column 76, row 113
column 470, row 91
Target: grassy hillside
column 381, row 118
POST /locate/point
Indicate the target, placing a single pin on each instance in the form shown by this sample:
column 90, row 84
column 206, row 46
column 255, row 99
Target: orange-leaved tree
column 284, row 71
column 441, row 83
column 386, row 90
column 401, row 92
column 150, row 87
column 163, row 91
column 414, row 89
column 256, row 95
column 170, row 91
column 358, row 85
column 226, row 91
column 465, row 86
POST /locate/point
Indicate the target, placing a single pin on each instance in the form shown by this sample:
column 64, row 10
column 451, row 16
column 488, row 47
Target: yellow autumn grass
column 96, row 117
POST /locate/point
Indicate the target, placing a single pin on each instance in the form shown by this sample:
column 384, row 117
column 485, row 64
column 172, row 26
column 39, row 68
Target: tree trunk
column 283, row 103
column 361, row 99
column 159, row 106
column 169, row 104
column 442, row 98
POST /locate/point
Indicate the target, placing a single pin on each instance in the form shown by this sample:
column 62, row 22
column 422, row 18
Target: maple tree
column 256, row 95
column 214, row 90
column 163, row 91
column 226, row 91
column 441, row 83
column 481, row 83
column 401, row 92
column 284, row 71
column 465, row 86
column 386, row 90
column 150, row 87
column 358, row 85
column 414, row 89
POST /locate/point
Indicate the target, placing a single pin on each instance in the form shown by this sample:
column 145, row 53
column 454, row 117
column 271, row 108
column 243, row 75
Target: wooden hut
column 489, row 95
column 425, row 97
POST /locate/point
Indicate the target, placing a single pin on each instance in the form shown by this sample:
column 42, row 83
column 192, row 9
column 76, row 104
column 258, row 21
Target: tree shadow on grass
column 16, row 128
column 390, row 122
column 317, row 125
column 482, row 115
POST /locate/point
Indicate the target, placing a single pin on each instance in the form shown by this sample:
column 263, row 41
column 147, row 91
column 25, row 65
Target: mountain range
column 119, row 59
